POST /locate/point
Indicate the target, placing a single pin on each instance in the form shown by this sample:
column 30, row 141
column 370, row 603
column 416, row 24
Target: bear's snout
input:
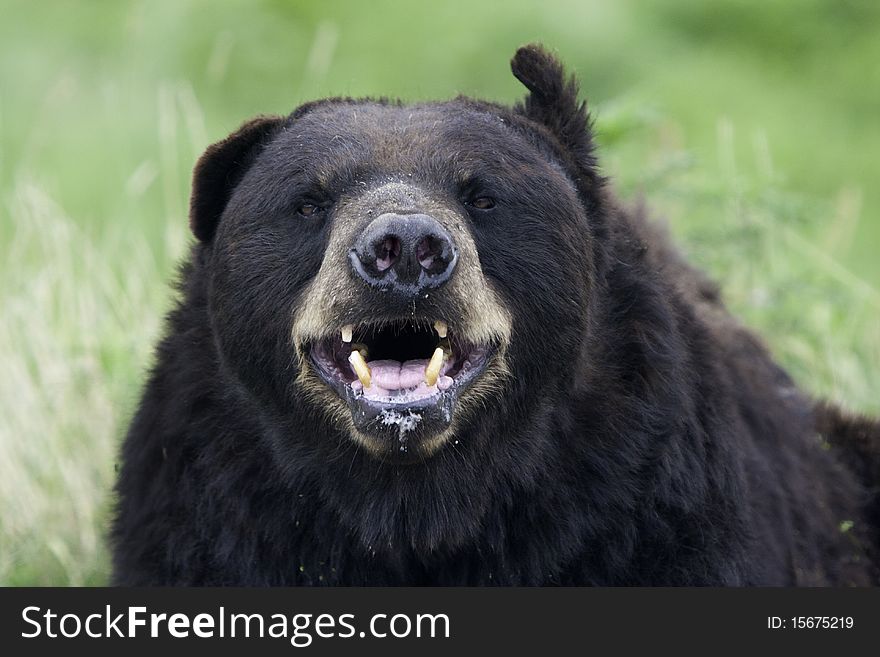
column 406, row 254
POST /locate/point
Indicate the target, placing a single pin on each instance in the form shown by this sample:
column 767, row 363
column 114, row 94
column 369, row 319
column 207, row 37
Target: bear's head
column 409, row 275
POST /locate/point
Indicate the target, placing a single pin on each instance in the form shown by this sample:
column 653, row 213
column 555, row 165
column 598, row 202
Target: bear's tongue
column 392, row 378
column 394, row 375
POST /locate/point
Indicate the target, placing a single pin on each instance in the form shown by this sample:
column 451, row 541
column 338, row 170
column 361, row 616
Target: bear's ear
column 553, row 103
column 220, row 169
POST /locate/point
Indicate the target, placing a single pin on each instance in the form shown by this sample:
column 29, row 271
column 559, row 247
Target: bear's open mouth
column 402, row 364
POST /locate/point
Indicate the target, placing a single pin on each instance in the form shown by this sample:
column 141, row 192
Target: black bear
column 422, row 344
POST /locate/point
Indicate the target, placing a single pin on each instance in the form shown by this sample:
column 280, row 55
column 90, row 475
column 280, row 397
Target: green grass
column 750, row 126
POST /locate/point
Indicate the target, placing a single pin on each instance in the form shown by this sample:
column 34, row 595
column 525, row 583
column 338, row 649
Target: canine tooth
column 360, row 347
column 432, row 371
column 360, row 368
column 441, row 328
column 347, row 332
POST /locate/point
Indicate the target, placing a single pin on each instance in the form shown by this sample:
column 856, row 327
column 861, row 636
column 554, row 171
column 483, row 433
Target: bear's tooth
column 432, row 371
column 360, row 368
column 347, row 333
column 441, row 328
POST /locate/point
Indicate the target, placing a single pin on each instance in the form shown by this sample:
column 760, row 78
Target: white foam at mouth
column 405, row 422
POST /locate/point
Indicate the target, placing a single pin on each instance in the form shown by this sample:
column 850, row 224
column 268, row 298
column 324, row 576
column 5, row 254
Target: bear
column 424, row 344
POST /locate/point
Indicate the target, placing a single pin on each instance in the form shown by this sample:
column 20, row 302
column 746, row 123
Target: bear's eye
column 483, row 203
column 308, row 209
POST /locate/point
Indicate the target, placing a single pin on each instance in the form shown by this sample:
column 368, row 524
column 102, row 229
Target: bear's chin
column 407, row 426
column 404, row 432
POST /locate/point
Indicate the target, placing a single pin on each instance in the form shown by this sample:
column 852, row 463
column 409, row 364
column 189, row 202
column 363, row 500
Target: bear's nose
column 407, row 253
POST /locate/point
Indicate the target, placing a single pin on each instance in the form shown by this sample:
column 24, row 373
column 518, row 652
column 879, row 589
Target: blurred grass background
column 752, row 126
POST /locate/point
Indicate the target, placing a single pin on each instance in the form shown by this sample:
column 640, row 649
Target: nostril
column 428, row 252
column 387, row 252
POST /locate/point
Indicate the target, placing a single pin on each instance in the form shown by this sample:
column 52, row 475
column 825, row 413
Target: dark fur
column 646, row 438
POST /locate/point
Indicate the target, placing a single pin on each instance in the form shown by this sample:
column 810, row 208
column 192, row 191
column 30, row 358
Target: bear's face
column 409, row 274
